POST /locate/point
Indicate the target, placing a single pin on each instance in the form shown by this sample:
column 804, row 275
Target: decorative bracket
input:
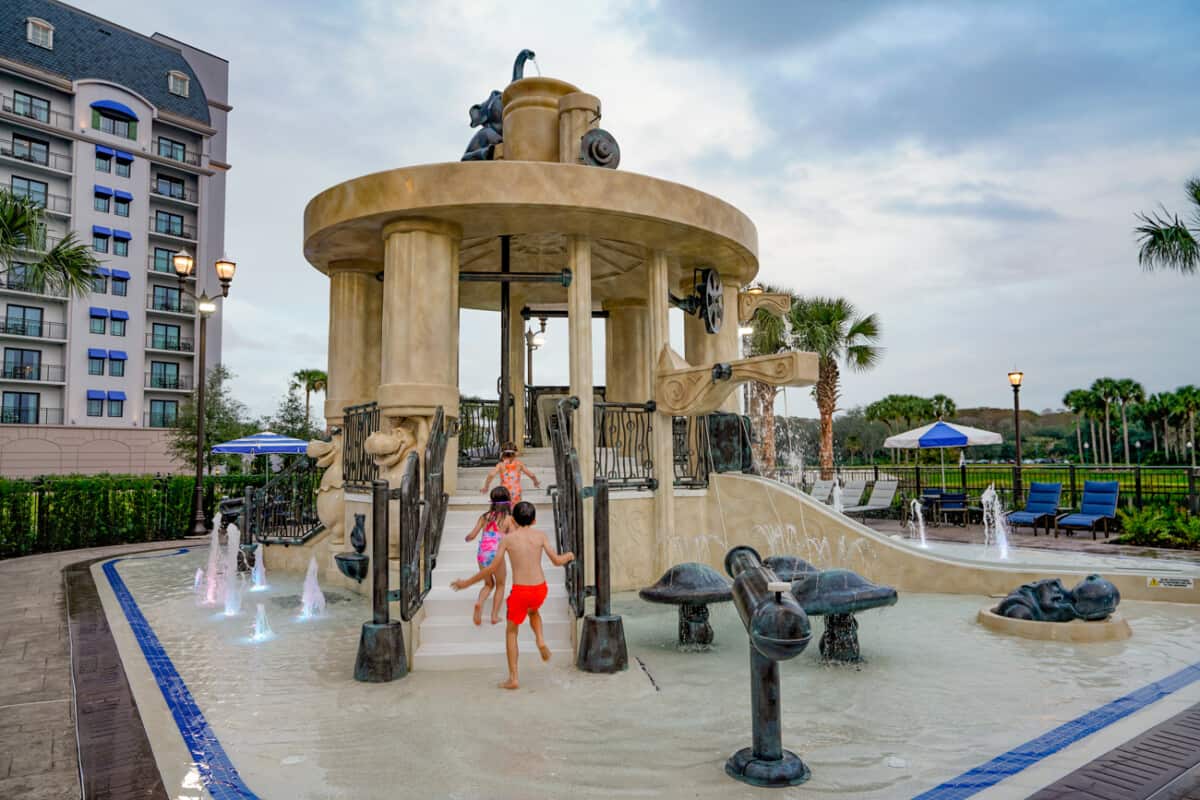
column 684, row 390
column 776, row 303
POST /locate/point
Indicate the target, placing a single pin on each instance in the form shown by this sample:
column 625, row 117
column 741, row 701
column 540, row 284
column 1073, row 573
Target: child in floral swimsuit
column 509, row 470
column 493, row 524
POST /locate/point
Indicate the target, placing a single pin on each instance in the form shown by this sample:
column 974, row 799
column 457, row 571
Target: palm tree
column 310, row 380
column 1188, row 398
column 832, row 328
column 943, row 406
column 1152, row 410
column 66, row 268
column 1105, row 389
column 1078, row 402
column 1128, row 391
column 1167, row 241
column 770, row 336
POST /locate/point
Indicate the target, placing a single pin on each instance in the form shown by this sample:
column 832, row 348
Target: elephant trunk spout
column 519, row 64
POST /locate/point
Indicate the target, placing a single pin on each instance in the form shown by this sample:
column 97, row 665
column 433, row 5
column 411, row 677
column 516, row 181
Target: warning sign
column 1171, row 583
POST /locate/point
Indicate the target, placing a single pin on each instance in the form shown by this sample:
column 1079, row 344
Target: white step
column 450, row 630
column 455, row 569
column 443, row 601
column 490, row 656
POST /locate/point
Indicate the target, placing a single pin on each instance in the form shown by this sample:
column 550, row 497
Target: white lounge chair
column 821, row 489
column 852, row 492
column 882, row 495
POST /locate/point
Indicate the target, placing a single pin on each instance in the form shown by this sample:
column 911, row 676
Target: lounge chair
column 954, row 504
column 1098, row 507
column 820, row 490
column 852, row 492
column 1041, row 506
column 882, row 495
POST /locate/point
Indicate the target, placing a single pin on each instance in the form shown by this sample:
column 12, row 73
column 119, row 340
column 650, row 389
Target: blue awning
column 116, row 395
column 117, row 355
column 114, row 107
column 95, row 394
column 119, row 314
column 120, row 234
column 123, row 195
column 100, row 230
column 97, row 352
column 120, row 274
column 95, row 311
column 101, row 150
column 100, row 271
column 123, row 156
column 104, row 191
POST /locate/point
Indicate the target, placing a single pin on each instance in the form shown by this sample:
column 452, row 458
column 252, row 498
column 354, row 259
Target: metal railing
column 184, row 155
column 21, row 283
column 175, row 192
column 176, row 305
column 477, row 424
column 690, row 452
column 284, row 510
column 624, row 447
column 168, row 226
column 422, row 518
column 24, row 327
column 53, row 373
column 21, row 152
column 23, row 108
column 31, row 416
column 566, row 496
column 158, row 341
column 154, row 381
column 43, row 244
column 359, row 422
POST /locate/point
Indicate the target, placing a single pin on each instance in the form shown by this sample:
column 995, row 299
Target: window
column 103, row 163
column 165, row 222
column 22, row 365
column 100, row 245
column 120, row 286
column 39, row 32
column 116, row 408
column 166, row 298
column 123, row 168
column 117, row 328
column 23, row 320
column 95, row 408
column 18, row 277
column 27, row 149
column 169, row 148
column 164, row 337
column 97, row 324
column 95, row 367
column 163, row 413
column 20, row 408
column 33, row 107
column 120, row 248
column 116, row 367
column 34, row 190
column 169, row 187
column 99, row 284
column 106, row 122
column 163, row 375
column 163, row 260
column 100, row 203
column 177, row 83
column 121, row 206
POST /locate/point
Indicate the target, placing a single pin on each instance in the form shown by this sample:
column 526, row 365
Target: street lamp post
column 533, row 341
column 1138, row 446
column 185, row 266
column 1015, row 379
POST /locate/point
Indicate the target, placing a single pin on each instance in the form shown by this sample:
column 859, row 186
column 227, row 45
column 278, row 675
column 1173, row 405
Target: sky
column 969, row 172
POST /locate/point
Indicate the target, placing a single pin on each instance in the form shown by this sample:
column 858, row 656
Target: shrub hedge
column 53, row 513
column 1160, row 526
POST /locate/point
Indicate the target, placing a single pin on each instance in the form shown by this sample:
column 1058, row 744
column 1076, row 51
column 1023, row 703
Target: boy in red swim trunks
column 524, row 547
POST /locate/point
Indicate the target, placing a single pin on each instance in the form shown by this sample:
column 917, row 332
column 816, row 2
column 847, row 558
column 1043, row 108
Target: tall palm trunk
column 1095, row 449
column 827, row 383
column 1154, row 433
column 1192, row 435
column 1107, row 435
column 307, row 396
column 1078, row 439
column 762, row 400
column 1125, row 435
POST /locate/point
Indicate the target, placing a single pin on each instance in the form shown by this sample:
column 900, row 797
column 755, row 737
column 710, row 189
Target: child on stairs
column 493, row 524
column 509, row 471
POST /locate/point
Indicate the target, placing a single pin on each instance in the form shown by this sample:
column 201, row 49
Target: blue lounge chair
column 1041, row 506
column 1098, row 507
column 954, row 504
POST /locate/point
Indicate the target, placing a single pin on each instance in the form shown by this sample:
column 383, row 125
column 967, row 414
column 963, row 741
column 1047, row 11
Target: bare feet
column 544, row 650
column 495, row 616
column 478, row 615
column 511, row 683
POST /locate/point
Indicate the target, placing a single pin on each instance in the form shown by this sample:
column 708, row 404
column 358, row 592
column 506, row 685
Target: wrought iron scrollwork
column 358, row 469
column 477, row 439
column 690, row 450
column 624, row 444
column 567, row 497
column 284, row 510
column 422, row 519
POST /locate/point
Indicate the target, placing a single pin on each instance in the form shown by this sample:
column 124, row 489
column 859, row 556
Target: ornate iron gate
column 567, row 497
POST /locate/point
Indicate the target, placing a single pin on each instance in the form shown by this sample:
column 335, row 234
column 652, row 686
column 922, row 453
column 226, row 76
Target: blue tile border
column 217, row 772
column 1025, row 755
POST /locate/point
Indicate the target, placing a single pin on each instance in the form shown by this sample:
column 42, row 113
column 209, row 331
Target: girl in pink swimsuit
column 492, row 524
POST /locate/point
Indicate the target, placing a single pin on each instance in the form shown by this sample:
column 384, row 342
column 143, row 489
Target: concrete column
column 578, row 113
column 516, row 363
column 419, row 354
column 579, row 323
column 702, row 349
column 628, row 360
column 658, row 337
column 355, row 320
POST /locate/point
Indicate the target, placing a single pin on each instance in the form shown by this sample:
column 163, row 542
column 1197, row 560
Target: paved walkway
column 38, row 758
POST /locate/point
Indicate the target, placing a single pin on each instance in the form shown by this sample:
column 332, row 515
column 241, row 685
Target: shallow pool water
column 1055, row 559
column 938, row 695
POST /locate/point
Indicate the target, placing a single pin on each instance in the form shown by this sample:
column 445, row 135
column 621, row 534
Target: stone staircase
column 449, row 639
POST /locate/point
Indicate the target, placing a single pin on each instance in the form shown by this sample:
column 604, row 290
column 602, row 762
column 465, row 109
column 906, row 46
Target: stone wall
column 29, row 450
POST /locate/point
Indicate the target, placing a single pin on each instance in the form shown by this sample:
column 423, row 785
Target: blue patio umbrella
column 941, row 435
column 262, row 443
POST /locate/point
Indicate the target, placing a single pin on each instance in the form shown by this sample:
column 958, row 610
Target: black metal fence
column 477, row 423
column 691, row 452
column 421, row 519
column 624, row 449
column 567, row 497
column 284, row 510
column 358, row 470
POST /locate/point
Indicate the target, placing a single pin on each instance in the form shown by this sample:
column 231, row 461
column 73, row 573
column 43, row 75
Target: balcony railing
column 51, row 373
column 20, row 283
column 22, row 152
column 22, row 108
column 171, row 227
column 175, row 305
column 31, row 416
column 45, row 244
column 167, row 270
column 157, row 341
column 160, row 420
column 24, row 327
column 184, row 156
column 182, row 382
column 174, row 192
column 55, row 203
